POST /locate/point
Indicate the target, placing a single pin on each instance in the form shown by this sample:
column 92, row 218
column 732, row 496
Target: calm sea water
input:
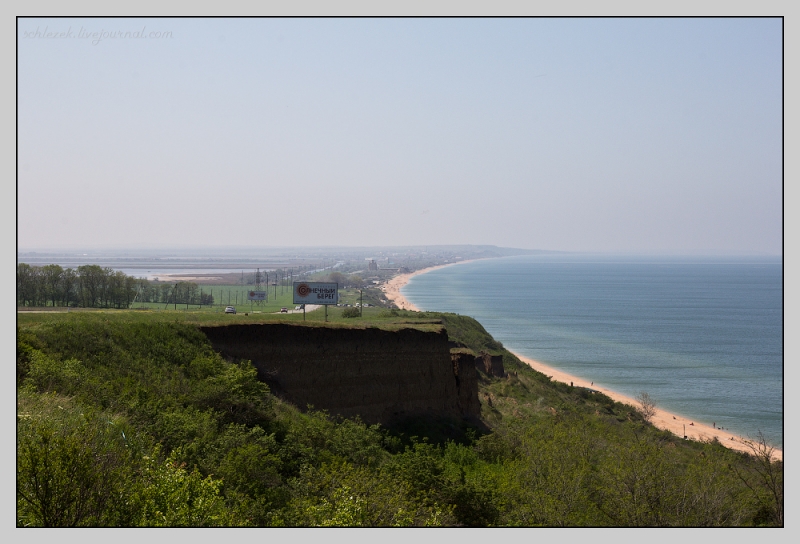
column 703, row 336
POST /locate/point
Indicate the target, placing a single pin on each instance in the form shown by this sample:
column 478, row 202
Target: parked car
column 230, row 310
column 284, row 310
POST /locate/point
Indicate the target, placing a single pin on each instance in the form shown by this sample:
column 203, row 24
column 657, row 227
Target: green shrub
column 72, row 465
column 95, row 393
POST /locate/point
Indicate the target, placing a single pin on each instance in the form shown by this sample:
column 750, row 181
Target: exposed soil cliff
column 492, row 365
column 376, row 374
column 464, row 368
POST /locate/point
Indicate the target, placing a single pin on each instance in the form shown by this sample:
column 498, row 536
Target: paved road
column 309, row 308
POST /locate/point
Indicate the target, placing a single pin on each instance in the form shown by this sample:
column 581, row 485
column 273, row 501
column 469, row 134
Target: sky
column 633, row 135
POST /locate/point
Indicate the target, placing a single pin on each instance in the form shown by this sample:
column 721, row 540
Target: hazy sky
column 618, row 135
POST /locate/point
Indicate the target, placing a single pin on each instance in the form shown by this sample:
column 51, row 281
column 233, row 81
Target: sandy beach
column 678, row 425
column 392, row 287
column 694, row 430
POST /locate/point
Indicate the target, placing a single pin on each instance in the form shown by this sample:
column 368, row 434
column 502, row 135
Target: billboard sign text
column 307, row 292
column 256, row 295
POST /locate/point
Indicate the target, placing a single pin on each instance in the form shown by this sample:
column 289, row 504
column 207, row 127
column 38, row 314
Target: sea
column 703, row 336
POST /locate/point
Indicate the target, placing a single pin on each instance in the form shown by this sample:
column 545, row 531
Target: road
column 309, row 308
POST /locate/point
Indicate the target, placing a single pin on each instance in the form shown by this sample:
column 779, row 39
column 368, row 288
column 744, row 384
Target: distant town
column 239, row 265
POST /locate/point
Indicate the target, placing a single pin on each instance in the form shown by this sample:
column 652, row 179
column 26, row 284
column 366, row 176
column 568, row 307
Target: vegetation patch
column 130, row 418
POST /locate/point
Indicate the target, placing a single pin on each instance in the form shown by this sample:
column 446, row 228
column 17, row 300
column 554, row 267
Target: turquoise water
column 703, row 336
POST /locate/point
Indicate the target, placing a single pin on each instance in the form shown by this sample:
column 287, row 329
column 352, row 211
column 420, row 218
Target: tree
column 91, row 279
column 639, row 484
column 51, row 281
column 26, row 284
column 647, row 406
column 338, row 277
column 166, row 293
column 69, row 282
column 765, row 481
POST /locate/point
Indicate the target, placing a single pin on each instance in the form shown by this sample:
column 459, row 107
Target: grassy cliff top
column 372, row 317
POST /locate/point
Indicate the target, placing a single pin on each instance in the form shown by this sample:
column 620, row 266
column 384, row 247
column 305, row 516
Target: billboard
column 256, row 295
column 308, row 292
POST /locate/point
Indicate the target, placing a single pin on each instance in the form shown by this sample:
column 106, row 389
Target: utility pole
column 361, row 303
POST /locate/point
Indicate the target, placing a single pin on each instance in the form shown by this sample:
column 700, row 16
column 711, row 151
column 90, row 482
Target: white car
column 230, row 310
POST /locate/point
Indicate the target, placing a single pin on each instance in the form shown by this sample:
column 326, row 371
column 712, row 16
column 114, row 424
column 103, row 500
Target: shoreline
column 392, row 287
column 662, row 419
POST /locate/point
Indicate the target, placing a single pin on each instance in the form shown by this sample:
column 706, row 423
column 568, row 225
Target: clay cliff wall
column 492, row 365
column 378, row 375
column 466, row 372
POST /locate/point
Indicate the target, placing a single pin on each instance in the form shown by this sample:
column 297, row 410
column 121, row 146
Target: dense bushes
column 78, row 468
column 143, row 424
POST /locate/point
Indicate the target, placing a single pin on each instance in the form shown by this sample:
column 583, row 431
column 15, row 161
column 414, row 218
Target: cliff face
column 492, row 365
column 376, row 374
column 464, row 368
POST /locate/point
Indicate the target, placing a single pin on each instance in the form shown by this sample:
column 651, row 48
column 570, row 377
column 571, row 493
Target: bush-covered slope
column 140, row 423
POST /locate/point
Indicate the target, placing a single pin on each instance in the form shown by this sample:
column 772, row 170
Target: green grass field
column 236, row 296
column 267, row 313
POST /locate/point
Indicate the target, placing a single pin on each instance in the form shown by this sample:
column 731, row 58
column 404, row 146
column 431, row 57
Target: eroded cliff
column 379, row 375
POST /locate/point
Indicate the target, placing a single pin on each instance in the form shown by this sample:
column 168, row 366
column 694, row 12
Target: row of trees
column 89, row 286
column 92, row 286
column 184, row 292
